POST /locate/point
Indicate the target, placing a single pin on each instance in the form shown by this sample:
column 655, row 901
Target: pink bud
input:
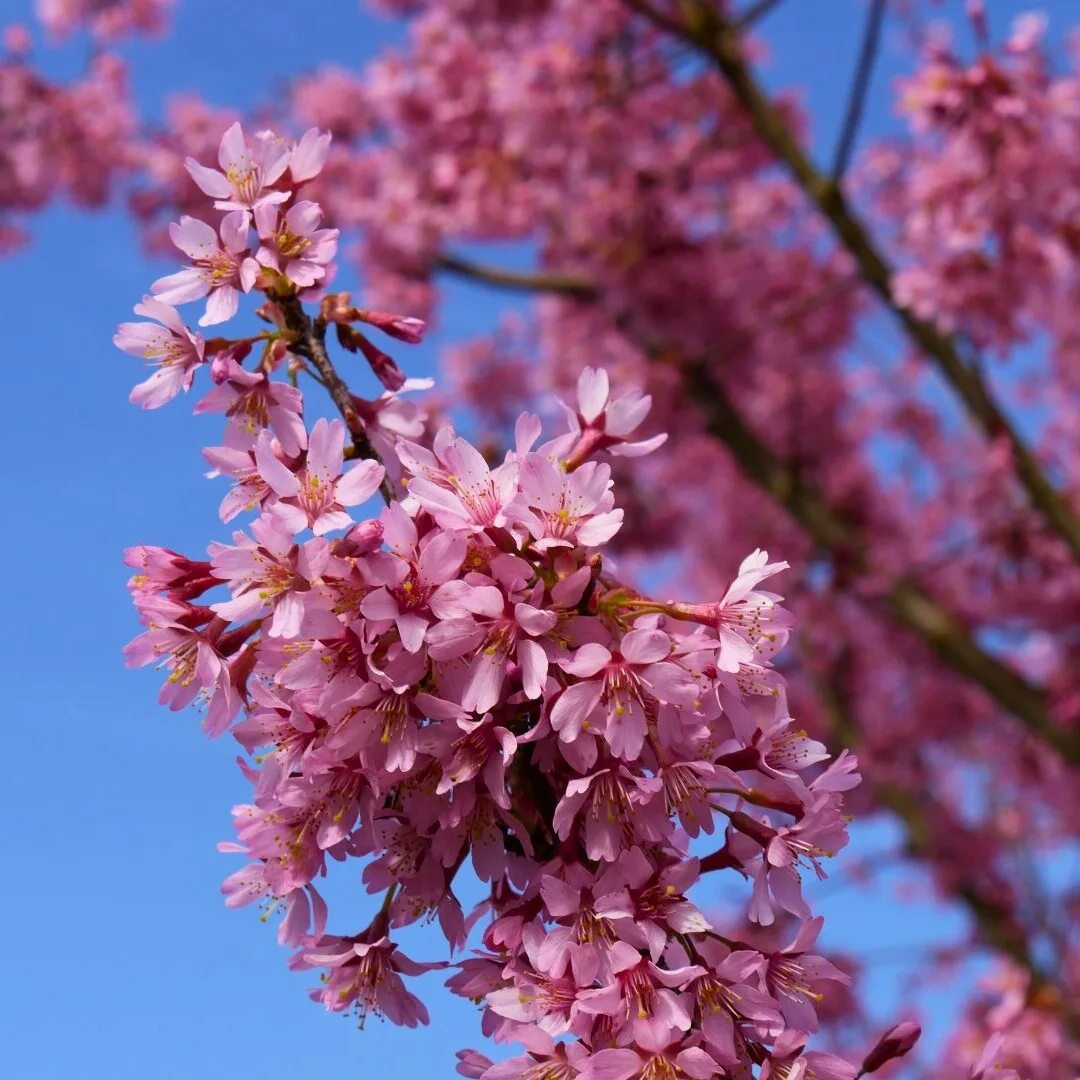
column 403, row 327
column 386, row 370
column 362, row 539
column 895, row 1043
column 472, row 1063
column 220, row 366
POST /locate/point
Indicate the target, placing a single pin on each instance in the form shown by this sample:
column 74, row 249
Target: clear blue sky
column 122, row 961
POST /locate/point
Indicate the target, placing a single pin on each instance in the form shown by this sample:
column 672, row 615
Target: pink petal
column 193, row 237
column 359, row 483
column 592, row 392
column 645, row 646
column 212, row 182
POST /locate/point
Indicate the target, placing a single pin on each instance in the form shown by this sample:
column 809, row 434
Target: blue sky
column 123, row 962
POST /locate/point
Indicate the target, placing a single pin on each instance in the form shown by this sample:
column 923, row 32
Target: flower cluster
column 462, row 681
column 105, row 19
column 60, row 140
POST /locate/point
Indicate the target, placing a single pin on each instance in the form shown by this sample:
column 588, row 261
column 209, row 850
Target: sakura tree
column 866, row 368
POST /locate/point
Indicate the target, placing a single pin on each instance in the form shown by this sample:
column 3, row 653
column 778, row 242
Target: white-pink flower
column 601, row 423
column 456, row 485
column 247, row 171
column 219, row 270
column 567, row 509
column 293, row 244
column 315, row 495
column 171, row 348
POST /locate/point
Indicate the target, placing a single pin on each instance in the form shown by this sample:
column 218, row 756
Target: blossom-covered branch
column 462, row 680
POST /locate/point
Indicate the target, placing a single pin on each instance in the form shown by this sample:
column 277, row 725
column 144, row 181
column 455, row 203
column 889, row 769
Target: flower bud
column 362, row 539
column 895, row 1043
column 403, row 327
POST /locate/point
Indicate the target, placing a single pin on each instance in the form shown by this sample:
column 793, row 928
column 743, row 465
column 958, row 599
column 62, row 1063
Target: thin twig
column 755, row 12
column 309, row 340
column 859, row 89
column 562, row 284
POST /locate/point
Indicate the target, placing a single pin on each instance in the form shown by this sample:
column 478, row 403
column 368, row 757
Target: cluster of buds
column 459, row 682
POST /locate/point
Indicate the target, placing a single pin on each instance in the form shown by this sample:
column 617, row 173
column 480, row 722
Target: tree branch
column 859, row 88
column 309, row 340
column 561, row 284
column 755, row 12
column 717, row 38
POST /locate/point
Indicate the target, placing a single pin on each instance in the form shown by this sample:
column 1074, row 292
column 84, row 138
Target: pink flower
column 749, row 621
column 662, row 1056
column 221, row 270
column 796, row 978
column 502, row 633
column 485, row 748
column 728, row 1000
column 415, row 582
column 250, row 490
column 456, row 485
column 253, row 401
column 196, row 669
column 567, row 509
column 293, row 244
column 308, row 155
column 389, row 418
column 366, row 977
column 249, row 885
column 602, row 424
column 315, row 494
column 620, row 690
column 247, row 171
column 651, row 904
column 161, row 568
column 641, row 1000
column 567, row 1061
column 789, row 1062
column 171, row 347
column 270, row 573
column 615, row 806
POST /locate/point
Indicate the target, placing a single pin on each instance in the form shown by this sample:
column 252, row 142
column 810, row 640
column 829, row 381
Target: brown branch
column 309, row 340
column 994, row 921
column 561, row 284
column 859, row 89
column 755, row 12
column 717, row 38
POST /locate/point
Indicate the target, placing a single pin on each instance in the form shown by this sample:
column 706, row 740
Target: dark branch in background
column 717, row 38
column 309, row 341
column 755, row 12
column 859, row 89
column 561, row 284
column 994, row 921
